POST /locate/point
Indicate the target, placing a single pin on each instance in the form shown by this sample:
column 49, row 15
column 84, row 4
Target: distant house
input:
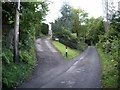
column 50, row 31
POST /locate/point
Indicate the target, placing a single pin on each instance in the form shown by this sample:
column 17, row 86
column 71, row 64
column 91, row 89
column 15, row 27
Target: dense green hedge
column 71, row 43
column 66, row 38
column 109, row 47
column 30, row 19
column 44, row 28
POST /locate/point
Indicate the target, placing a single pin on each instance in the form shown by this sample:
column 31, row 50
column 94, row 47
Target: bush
column 115, row 50
column 66, row 37
column 13, row 74
column 64, row 34
column 25, row 56
column 82, row 46
column 71, row 43
column 7, row 55
column 109, row 70
column 110, row 45
column 30, row 19
column 44, row 28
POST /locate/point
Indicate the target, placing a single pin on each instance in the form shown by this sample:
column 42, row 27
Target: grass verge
column 62, row 48
column 109, row 71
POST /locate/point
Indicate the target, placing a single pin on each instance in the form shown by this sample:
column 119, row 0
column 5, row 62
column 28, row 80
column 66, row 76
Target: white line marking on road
column 75, row 63
column 50, row 46
column 81, row 58
column 71, row 68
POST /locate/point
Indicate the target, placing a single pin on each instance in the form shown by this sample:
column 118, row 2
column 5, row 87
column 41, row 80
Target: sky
column 92, row 7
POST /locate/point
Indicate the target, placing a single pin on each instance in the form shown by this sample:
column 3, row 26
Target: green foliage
column 66, row 19
column 7, row 55
column 82, row 46
column 41, row 35
column 79, row 17
column 71, row 19
column 13, row 74
column 57, row 26
column 38, row 31
column 25, row 56
column 110, row 45
column 109, row 71
column 88, row 31
column 95, row 27
column 31, row 17
column 66, row 37
column 109, row 48
column 8, row 14
column 69, row 23
column 44, row 28
column 74, row 35
column 64, row 34
column 115, row 22
column 91, row 32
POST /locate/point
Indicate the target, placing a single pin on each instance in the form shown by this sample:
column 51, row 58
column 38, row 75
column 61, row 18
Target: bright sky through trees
column 93, row 7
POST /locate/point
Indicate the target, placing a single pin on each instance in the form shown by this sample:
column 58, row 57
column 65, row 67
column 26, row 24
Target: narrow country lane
column 53, row 71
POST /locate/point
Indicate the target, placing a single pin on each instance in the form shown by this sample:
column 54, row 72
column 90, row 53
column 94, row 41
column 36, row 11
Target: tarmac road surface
column 53, row 71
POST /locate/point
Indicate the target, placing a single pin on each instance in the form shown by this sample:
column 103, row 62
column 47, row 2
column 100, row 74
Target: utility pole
column 16, row 36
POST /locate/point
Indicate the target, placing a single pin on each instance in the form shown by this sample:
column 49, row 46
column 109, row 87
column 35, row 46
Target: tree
column 115, row 24
column 109, row 10
column 44, row 28
column 70, row 22
column 31, row 16
column 95, row 27
column 71, row 19
column 66, row 19
column 8, row 15
column 79, row 17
